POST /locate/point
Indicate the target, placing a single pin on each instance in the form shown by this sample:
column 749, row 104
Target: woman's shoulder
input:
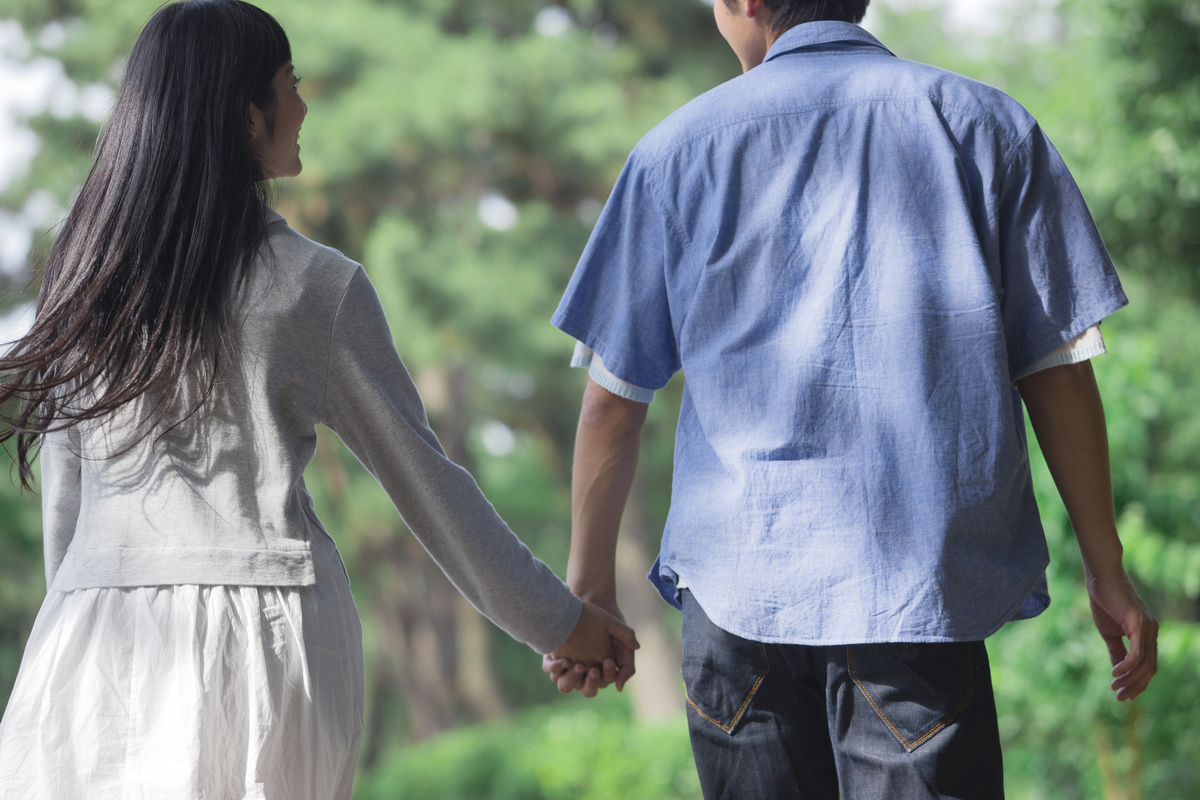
column 296, row 254
column 295, row 285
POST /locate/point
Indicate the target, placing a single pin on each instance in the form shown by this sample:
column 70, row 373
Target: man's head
column 751, row 26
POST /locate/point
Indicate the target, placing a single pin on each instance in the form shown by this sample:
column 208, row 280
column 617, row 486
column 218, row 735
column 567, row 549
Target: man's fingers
column 1117, row 655
column 569, row 676
column 572, row 679
column 591, row 684
column 1133, row 668
column 1132, row 684
column 623, row 633
column 623, row 675
column 1134, row 676
column 625, row 666
column 608, row 672
column 1143, row 646
column 1130, row 633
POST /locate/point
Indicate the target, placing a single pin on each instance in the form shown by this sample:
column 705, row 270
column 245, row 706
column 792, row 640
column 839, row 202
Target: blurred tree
column 462, row 150
column 1149, row 185
column 21, row 582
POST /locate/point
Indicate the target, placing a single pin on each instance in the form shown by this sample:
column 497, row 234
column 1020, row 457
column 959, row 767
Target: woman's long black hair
column 139, row 284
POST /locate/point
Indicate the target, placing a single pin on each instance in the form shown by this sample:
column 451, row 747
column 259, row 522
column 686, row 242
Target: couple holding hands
column 866, row 267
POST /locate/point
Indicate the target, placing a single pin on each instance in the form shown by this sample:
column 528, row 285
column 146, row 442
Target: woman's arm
column 61, row 492
column 372, row 404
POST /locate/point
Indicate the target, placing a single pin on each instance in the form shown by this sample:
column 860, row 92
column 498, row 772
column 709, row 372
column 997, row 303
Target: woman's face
column 280, row 154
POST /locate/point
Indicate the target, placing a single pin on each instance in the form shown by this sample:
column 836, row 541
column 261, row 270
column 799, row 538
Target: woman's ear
column 258, row 124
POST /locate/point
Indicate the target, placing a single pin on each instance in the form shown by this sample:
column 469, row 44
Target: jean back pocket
column 916, row 689
column 721, row 671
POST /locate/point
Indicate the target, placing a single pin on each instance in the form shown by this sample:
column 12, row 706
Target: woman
column 199, row 638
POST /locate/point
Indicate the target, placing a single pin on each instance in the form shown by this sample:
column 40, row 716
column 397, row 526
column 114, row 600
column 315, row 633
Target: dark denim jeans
column 877, row 721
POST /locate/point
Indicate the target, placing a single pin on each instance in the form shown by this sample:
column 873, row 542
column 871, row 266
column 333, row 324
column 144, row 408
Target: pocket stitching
column 745, row 703
column 942, row 723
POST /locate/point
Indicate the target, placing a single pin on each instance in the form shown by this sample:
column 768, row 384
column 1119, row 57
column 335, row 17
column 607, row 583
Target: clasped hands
column 598, row 653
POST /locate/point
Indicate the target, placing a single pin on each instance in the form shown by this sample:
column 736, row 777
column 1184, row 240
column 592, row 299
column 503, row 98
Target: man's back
column 854, row 260
column 847, row 255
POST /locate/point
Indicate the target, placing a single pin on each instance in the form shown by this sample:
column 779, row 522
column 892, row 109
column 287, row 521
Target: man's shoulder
column 699, row 117
column 777, row 90
column 964, row 98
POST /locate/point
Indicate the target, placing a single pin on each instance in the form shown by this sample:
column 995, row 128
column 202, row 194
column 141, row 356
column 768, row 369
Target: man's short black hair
column 789, row 13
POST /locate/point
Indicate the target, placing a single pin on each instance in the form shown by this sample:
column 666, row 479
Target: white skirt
column 213, row 692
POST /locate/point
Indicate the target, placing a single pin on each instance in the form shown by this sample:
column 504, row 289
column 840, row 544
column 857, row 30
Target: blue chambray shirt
column 849, row 255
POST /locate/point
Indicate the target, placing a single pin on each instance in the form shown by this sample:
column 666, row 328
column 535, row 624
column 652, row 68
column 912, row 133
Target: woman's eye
column 296, row 85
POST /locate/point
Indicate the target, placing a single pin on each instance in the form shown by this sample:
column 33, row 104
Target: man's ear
column 258, row 123
column 752, row 8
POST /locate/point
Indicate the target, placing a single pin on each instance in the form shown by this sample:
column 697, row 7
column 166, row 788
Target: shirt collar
column 274, row 216
column 808, row 34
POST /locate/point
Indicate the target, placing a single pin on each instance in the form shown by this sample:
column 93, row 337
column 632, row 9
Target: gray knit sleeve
column 61, row 491
column 372, row 404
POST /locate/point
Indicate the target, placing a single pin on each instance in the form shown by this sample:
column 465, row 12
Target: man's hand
column 1120, row 614
column 592, row 656
column 570, row 675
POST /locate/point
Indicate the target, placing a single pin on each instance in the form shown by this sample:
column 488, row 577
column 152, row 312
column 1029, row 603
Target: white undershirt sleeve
column 585, row 358
column 1084, row 346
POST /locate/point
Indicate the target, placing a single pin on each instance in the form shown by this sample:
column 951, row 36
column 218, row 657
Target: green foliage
column 419, row 108
column 21, row 583
column 575, row 750
column 1120, row 93
column 1065, row 736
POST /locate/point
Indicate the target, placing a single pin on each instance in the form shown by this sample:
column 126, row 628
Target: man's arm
column 606, row 452
column 1067, row 415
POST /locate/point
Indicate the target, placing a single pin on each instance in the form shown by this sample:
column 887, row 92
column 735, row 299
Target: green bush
column 575, row 750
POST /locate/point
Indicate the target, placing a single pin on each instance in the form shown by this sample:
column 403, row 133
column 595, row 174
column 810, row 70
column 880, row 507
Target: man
column 863, row 266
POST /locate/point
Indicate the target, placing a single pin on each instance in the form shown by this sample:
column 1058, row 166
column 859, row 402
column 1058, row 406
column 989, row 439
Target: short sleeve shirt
column 850, row 256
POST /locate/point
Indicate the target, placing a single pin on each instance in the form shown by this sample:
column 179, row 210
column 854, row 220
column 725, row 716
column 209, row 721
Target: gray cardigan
column 221, row 499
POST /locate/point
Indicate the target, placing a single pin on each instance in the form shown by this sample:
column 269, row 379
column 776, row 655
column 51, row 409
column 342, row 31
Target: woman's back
column 220, row 497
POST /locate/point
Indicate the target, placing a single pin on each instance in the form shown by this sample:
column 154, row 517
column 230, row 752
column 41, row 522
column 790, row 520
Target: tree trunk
column 656, row 689
column 415, row 643
column 431, row 647
column 1114, row 785
column 476, row 681
column 477, row 690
